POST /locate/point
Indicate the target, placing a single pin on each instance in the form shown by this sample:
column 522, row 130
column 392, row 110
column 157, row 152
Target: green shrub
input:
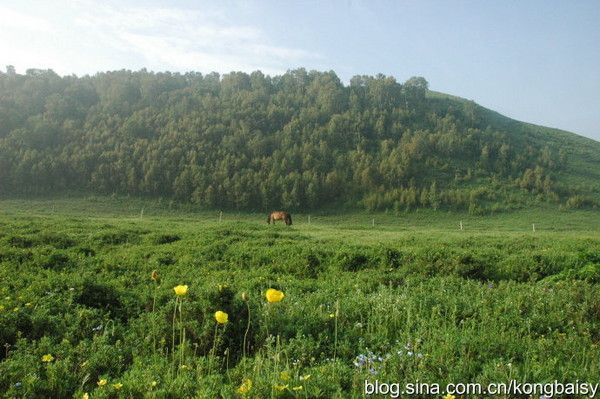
column 165, row 239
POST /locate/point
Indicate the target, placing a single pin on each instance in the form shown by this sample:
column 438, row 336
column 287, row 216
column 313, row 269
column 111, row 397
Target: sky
column 535, row 61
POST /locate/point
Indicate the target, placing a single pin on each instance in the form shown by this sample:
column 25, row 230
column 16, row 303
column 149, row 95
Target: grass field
column 398, row 298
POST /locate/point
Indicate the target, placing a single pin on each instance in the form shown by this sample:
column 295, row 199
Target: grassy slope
column 583, row 154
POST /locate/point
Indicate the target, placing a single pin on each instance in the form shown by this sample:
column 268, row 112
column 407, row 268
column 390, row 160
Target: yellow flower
column 281, row 387
column 298, row 388
column 222, row 287
column 85, row 396
column 117, row 386
column 102, row 382
column 284, row 375
column 221, row 317
column 245, row 387
column 181, row 290
column 274, row 295
column 304, row 377
column 47, row 358
column 1, row 308
column 154, row 275
column 153, row 384
column 245, row 297
column 449, row 396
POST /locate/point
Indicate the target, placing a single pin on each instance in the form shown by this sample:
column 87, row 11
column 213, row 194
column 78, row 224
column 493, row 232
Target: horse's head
column 288, row 219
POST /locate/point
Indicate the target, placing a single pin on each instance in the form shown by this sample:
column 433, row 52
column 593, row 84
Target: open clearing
column 411, row 298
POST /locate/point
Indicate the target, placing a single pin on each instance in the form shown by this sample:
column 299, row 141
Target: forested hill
column 302, row 140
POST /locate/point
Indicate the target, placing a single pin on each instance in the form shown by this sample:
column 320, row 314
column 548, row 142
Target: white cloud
column 86, row 37
column 10, row 18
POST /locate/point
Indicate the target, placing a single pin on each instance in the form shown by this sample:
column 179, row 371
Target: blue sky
column 536, row 61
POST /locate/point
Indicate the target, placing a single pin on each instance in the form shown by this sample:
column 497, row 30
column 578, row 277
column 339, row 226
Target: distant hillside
column 302, row 140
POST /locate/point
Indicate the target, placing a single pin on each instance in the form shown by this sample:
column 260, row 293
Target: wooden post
column 461, row 225
column 373, row 223
column 308, row 219
column 220, row 216
column 533, row 227
column 142, row 213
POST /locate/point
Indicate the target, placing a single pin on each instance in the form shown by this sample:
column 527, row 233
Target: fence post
column 461, row 225
column 220, row 216
column 373, row 222
column 142, row 213
column 533, row 227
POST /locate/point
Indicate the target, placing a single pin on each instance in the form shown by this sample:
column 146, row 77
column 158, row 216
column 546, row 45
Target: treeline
column 248, row 141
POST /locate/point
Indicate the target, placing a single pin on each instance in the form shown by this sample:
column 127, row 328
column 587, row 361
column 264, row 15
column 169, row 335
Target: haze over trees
column 300, row 141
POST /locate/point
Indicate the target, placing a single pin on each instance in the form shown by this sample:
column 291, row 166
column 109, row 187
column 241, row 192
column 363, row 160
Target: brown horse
column 279, row 215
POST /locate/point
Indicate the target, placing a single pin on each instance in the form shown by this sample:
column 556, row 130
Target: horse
column 280, row 215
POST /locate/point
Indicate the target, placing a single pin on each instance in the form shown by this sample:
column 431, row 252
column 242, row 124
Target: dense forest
column 302, row 140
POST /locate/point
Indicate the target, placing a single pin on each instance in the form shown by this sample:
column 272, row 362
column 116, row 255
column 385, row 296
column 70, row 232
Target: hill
column 302, row 140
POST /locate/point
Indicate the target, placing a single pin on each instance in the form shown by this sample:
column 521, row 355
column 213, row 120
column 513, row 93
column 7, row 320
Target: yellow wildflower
column 85, row 396
column 154, row 275
column 221, row 317
column 117, row 386
column 222, row 287
column 245, row 297
column 284, row 375
column 153, row 384
column 181, row 290
column 304, row 377
column 274, row 295
column 47, row 358
column 102, row 382
column 298, row 388
column 1, row 308
column 449, row 396
column 280, row 388
column 245, row 387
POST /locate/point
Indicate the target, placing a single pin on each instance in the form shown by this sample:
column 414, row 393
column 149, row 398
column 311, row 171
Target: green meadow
column 88, row 307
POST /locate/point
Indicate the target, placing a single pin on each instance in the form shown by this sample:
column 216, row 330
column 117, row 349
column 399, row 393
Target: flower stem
column 154, row 320
column 337, row 313
column 247, row 328
column 173, row 336
column 181, row 335
column 212, row 353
